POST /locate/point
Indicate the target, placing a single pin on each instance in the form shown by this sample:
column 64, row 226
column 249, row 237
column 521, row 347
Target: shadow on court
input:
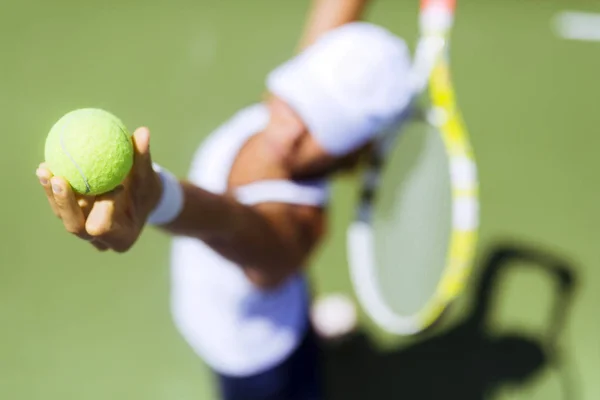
column 469, row 361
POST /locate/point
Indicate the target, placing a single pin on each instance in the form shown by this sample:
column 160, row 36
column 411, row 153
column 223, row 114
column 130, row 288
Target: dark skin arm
column 325, row 15
column 270, row 240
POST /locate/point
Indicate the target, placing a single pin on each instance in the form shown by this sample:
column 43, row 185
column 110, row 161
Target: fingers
column 44, row 176
column 100, row 221
column 69, row 210
column 141, row 146
column 110, row 223
column 74, row 209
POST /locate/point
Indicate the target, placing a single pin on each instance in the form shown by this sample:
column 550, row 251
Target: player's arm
column 269, row 241
column 325, row 15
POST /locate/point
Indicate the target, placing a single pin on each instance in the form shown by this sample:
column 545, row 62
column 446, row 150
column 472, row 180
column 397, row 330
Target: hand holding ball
column 89, row 153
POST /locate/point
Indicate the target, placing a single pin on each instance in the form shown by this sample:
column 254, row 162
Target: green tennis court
column 80, row 324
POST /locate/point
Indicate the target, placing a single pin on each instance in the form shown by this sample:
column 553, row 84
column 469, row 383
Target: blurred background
column 80, row 324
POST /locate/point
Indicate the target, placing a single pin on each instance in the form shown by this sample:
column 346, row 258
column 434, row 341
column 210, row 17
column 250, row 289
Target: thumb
column 141, row 148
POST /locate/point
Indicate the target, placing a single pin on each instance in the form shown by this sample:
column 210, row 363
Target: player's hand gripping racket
column 412, row 243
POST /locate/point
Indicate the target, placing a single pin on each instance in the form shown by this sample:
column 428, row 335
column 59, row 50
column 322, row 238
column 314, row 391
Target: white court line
column 577, row 25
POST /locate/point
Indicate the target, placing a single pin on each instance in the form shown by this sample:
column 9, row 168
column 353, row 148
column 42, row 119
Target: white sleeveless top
column 236, row 328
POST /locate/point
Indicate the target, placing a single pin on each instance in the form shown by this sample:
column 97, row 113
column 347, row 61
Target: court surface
column 78, row 324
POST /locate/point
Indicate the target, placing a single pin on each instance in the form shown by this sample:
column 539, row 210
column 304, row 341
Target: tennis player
column 253, row 208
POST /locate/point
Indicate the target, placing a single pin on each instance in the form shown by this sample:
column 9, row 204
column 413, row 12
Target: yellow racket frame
column 465, row 194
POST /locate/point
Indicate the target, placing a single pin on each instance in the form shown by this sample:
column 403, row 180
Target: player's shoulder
column 223, row 141
column 250, row 118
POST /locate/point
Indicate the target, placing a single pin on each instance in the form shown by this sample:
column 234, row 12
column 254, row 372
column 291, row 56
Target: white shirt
column 236, row 328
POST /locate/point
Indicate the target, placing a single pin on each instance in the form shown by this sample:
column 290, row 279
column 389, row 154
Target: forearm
column 265, row 249
column 325, row 15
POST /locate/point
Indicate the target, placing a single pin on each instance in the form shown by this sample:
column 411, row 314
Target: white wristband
column 171, row 201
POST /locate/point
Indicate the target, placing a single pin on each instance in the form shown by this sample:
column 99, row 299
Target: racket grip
column 436, row 16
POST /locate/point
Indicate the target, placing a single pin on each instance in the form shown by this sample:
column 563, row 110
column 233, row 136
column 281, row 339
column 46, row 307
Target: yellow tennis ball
column 91, row 149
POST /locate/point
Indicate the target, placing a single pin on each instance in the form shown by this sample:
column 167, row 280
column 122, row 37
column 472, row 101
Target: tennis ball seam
column 68, row 154
column 125, row 134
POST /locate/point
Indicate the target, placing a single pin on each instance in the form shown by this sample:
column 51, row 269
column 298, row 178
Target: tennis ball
column 91, row 149
column 334, row 316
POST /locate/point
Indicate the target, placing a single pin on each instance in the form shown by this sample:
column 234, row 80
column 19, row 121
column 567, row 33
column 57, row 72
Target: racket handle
column 436, row 16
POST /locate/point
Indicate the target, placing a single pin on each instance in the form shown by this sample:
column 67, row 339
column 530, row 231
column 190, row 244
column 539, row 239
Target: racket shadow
column 468, row 361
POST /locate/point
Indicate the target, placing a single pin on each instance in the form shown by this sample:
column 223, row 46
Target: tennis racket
column 412, row 242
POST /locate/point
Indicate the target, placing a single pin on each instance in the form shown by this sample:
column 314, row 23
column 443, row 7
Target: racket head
column 428, row 199
column 410, row 257
column 411, row 219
